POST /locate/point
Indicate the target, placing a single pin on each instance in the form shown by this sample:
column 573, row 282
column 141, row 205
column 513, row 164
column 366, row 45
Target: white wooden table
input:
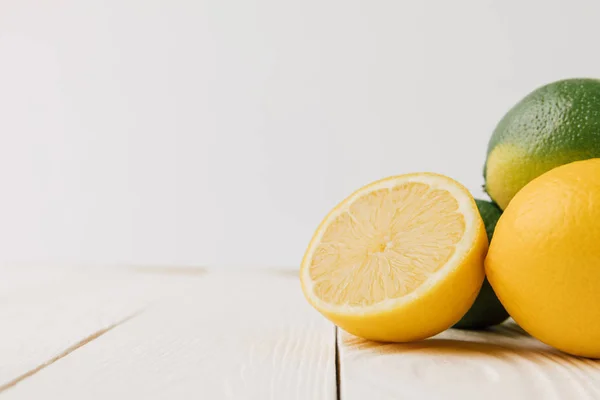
column 186, row 333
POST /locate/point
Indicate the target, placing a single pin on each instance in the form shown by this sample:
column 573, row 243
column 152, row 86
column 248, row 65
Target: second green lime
column 487, row 309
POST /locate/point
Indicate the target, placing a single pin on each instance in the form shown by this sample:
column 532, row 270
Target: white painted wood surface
column 179, row 333
column 504, row 363
column 218, row 336
column 45, row 313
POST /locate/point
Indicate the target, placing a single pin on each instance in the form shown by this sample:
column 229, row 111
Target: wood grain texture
column 226, row 336
column 503, row 363
column 46, row 313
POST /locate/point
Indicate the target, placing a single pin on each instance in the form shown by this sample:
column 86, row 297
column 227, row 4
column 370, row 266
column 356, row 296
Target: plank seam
column 66, row 352
column 338, row 389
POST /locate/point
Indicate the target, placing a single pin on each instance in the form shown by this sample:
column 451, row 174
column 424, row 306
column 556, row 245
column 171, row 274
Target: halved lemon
column 399, row 260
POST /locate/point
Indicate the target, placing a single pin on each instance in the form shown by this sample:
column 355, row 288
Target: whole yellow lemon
column 544, row 259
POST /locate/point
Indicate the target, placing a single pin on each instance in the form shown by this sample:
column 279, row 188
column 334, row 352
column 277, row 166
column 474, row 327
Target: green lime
column 554, row 125
column 487, row 309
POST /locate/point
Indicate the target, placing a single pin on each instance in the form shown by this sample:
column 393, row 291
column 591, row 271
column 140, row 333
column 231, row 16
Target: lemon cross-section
column 399, row 243
column 386, row 245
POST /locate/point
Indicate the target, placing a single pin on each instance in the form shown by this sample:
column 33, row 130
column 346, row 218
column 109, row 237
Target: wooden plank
column 46, row 313
column 227, row 336
column 504, row 363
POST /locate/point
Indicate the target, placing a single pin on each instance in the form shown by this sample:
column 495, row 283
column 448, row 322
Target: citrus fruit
column 487, row 309
column 544, row 261
column 400, row 259
column 556, row 124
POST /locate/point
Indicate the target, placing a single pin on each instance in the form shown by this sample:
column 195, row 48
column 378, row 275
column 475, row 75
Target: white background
column 214, row 132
